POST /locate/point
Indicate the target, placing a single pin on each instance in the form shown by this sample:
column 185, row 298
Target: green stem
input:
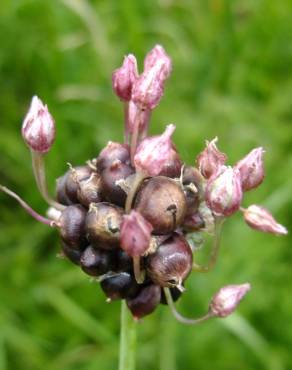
column 179, row 317
column 215, row 248
column 38, row 165
column 139, row 177
column 127, row 360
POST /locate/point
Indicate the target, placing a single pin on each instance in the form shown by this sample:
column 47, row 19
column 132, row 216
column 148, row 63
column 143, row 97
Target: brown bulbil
column 162, row 202
column 89, row 190
column 193, row 222
column 72, row 226
column 110, row 190
column 111, row 153
column 73, row 254
column 120, row 286
column 170, row 265
column 103, row 224
column 61, row 194
column 74, row 176
column 96, row 262
column 145, row 302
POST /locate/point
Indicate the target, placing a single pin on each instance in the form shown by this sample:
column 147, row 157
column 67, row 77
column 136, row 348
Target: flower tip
column 169, row 130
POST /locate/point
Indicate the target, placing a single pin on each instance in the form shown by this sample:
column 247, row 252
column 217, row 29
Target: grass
column 232, row 78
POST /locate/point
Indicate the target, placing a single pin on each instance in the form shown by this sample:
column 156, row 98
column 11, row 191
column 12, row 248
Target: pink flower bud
column 156, row 54
column 124, row 77
column 210, row 159
column 154, row 154
column 260, row 219
column 226, row 300
column 148, row 89
column 38, row 128
column 251, row 169
column 135, row 234
column 223, row 192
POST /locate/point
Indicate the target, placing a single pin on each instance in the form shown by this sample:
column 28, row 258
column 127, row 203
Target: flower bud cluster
column 114, row 239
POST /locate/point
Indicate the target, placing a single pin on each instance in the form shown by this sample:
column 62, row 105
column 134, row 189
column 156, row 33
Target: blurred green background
column 232, row 77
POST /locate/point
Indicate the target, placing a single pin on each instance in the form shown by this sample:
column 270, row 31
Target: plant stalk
column 39, row 171
column 127, row 358
column 215, row 248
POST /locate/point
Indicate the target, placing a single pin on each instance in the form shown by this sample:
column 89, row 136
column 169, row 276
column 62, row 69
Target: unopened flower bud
column 135, row 234
column 38, row 128
column 251, row 169
column 124, row 77
column 155, row 55
column 260, row 219
column 148, row 88
column 210, row 159
column 154, row 153
column 226, row 300
column 223, row 191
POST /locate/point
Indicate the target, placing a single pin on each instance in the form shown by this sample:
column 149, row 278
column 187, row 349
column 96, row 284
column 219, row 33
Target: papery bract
column 135, row 234
column 260, row 219
column 251, row 169
column 38, row 128
column 210, row 159
column 227, row 299
column 223, row 192
column 124, row 77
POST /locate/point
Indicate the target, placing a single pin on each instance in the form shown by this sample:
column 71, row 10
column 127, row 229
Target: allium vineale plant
column 131, row 216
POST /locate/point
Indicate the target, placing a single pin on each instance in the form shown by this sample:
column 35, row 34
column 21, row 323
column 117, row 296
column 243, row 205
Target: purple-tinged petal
column 124, row 77
column 155, row 55
column 223, row 192
column 251, row 169
column 260, row 219
column 210, row 159
column 135, row 234
column 155, row 153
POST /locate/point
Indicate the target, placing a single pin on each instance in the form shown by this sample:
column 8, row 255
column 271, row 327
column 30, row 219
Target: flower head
column 124, row 77
column 223, row 192
column 135, row 234
column 210, row 159
column 251, row 169
column 226, row 300
column 38, row 128
column 259, row 218
column 155, row 153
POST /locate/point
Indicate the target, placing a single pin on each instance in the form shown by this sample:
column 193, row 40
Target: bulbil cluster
column 125, row 217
